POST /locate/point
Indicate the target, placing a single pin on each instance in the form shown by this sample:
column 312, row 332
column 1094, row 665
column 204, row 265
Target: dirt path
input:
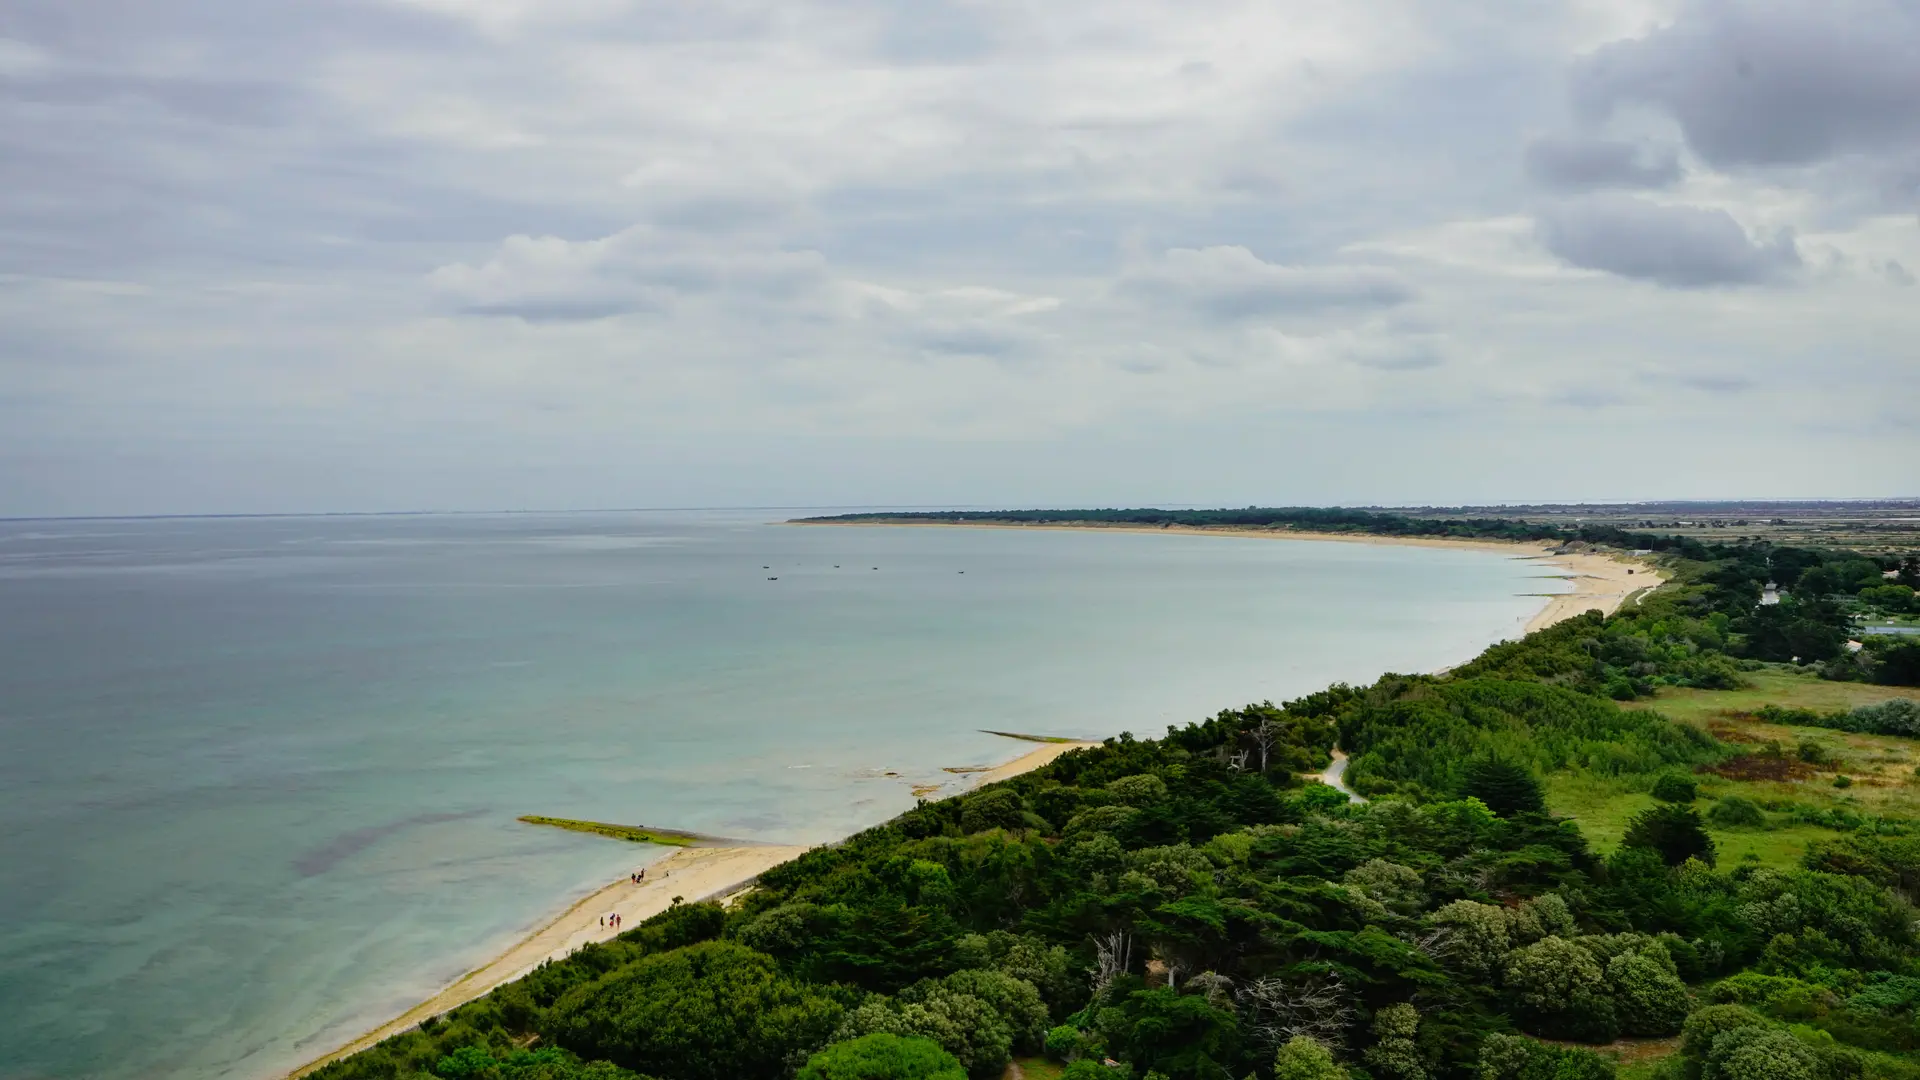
column 1334, row 776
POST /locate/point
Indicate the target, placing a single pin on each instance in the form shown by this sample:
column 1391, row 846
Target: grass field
column 1881, row 767
column 1035, row 1068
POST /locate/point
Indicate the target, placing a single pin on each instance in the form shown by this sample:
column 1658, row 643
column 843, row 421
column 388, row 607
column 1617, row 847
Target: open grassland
column 1786, row 689
column 1784, row 764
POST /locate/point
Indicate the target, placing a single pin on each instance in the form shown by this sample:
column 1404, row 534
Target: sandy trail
column 1334, row 776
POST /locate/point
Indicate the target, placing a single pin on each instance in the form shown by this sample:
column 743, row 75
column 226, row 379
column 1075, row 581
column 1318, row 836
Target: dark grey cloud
column 1772, row 82
column 1233, row 283
column 1575, row 163
column 1676, row 246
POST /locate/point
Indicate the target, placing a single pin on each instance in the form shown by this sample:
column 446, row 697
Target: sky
column 335, row 255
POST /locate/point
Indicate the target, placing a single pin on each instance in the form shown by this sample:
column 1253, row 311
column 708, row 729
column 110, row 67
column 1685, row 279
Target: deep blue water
column 258, row 777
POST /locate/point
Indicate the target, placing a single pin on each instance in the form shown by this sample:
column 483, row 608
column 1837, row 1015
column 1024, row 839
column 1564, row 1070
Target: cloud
column 550, row 279
column 1580, row 163
column 292, row 228
column 1676, row 246
column 1231, row 282
column 1770, row 82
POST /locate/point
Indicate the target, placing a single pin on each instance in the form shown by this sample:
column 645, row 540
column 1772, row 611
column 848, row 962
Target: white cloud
column 746, row 225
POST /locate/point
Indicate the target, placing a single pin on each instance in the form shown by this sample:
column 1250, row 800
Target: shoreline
column 1601, row 580
column 692, row 874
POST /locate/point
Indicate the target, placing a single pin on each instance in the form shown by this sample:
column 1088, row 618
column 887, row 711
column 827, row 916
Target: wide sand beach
column 1602, row 581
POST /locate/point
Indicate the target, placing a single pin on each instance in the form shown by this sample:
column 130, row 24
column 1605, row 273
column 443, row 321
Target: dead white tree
column 1276, row 1009
column 1113, row 954
column 1238, row 761
column 1266, row 734
column 1217, row 988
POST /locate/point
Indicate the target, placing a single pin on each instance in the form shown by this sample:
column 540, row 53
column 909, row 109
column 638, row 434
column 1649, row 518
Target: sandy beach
column 690, row 874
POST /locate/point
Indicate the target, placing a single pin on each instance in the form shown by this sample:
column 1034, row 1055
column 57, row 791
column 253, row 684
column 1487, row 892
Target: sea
column 259, row 777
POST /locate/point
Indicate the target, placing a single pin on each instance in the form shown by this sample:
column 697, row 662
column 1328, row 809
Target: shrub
column 1648, row 997
column 1559, row 990
column 1396, row 1054
column 995, row 808
column 1516, row 1057
column 1736, row 812
column 1507, row 787
column 883, row 1057
column 1760, row 1053
column 1674, row 831
column 1064, row 1042
column 1703, row 1026
column 1140, row 790
column 1675, row 788
column 1304, row 1058
column 712, row 1011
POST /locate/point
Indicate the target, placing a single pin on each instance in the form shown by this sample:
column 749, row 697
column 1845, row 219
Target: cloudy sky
column 392, row 254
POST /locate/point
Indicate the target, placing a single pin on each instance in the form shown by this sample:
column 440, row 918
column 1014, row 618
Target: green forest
column 1540, row 885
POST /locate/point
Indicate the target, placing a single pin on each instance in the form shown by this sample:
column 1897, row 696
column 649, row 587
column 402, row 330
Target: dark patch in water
column 331, row 854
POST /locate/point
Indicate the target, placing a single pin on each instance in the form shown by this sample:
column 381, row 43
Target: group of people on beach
column 638, row 877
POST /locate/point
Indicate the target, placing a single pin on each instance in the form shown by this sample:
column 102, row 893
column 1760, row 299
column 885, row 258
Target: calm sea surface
column 258, row 778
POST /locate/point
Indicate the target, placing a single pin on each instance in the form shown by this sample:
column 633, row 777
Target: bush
column 1064, row 1042
column 1760, row 1053
column 1506, row 787
column 1559, row 990
column 546, row 1063
column 1516, row 1057
column 713, row 1011
column 1648, row 996
column 1674, row 831
column 1304, row 1058
column 1675, row 788
column 883, row 1057
column 976, row 1015
column 1142, row 790
column 1736, row 812
column 1396, row 1054
column 1698, row 1033
column 995, row 808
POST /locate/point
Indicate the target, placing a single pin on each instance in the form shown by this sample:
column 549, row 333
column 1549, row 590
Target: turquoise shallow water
column 258, row 778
